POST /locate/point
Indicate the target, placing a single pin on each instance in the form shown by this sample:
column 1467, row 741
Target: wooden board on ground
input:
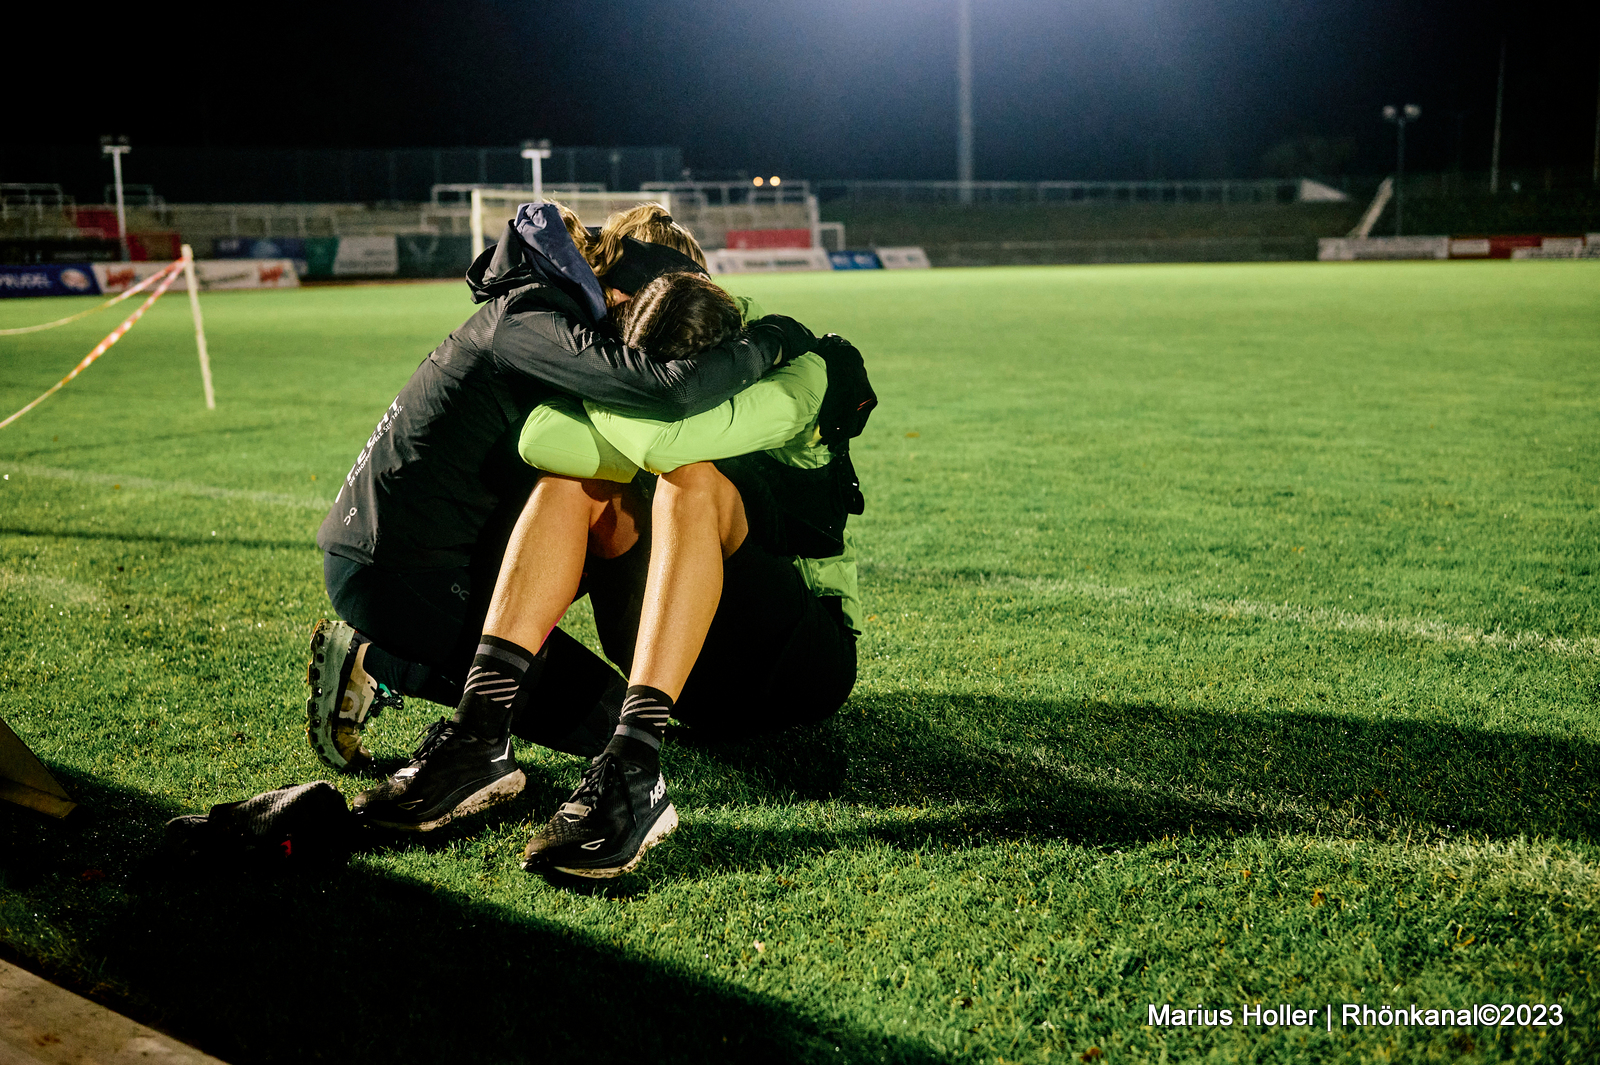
column 24, row 779
column 42, row 1024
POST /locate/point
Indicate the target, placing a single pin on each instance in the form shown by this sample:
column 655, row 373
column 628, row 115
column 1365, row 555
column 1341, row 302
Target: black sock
column 493, row 684
column 407, row 677
column 642, row 726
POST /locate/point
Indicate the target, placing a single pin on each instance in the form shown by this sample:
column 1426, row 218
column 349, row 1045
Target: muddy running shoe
column 619, row 811
column 343, row 696
column 452, row 774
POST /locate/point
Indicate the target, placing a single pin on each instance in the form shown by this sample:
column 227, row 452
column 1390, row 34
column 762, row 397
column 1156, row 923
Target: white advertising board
column 767, row 260
column 1346, row 249
column 903, row 258
column 367, row 257
column 211, row 273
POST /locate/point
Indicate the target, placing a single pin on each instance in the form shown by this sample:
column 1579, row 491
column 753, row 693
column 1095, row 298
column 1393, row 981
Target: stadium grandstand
column 420, row 212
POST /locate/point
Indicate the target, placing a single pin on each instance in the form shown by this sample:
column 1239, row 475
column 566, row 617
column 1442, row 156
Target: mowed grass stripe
column 186, row 488
column 1287, row 613
column 1231, row 642
column 1310, row 617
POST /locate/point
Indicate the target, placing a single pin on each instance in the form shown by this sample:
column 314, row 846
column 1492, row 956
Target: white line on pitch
column 187, row 488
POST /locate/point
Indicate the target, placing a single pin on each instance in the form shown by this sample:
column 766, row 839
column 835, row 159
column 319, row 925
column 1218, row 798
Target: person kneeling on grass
column 749, row 611
column 415, row 537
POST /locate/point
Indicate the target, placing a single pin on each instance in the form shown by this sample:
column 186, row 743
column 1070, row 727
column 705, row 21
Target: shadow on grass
column 1101, row 774
column 123, row 537
column 347, row 965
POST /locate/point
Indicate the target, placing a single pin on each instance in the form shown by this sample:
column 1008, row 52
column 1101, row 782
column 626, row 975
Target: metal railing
column 32, row 199
column 1069, row 192
column 728, row 193
column 459, row 194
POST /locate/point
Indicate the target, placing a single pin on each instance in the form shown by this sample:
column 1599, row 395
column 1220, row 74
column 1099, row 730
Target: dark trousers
column 427, row 624
column 776, row 655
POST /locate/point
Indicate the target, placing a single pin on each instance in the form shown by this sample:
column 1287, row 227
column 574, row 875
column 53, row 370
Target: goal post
column 493, row 205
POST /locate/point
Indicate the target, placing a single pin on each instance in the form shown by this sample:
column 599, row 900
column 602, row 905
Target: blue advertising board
column 48, row 279
column 854, row 260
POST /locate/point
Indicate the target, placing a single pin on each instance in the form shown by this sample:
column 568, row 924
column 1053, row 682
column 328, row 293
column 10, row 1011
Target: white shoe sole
column 505, row 789
column 658, row 832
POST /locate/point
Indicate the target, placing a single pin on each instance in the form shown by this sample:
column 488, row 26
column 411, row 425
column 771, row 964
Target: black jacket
column 443, row 456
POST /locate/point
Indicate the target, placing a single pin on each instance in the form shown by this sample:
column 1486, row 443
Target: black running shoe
column 452, row 773
column 619, row 811
column 344, row 697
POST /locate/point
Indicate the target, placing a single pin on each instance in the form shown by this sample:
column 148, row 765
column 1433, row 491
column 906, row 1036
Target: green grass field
column 1234, row 640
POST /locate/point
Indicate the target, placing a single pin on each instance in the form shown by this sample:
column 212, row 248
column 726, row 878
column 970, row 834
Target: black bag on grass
column 292, row 827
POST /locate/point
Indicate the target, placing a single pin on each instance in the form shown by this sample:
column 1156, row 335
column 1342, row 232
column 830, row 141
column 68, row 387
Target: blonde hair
column 575, row 228
column 648, row 222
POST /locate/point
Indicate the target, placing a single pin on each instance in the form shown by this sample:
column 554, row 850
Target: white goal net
column 494, row 205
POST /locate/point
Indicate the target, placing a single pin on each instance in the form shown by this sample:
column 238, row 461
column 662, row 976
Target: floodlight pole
column 964, row 99
column 1596, row 177
column 1499, row 101
column 1400, row 116
column 115, row 149
column 536, row 152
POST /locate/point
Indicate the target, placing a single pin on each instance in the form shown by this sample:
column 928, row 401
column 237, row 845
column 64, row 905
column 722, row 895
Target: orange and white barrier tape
column 118, row 298
column 101, row 348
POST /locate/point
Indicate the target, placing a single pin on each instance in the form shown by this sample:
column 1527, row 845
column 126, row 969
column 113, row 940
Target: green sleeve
column 558, row 438
column 770, row 413
column 749, row 309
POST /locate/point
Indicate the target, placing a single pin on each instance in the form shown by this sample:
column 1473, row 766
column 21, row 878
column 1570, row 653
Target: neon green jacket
column 777, row 414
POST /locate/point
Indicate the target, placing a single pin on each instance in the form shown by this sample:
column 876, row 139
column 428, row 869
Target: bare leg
column 466, row 764
column 620, row 808
column 562, row 522
column 698, row 521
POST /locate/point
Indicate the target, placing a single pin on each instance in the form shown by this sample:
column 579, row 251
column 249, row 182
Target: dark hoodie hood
column 535, row 249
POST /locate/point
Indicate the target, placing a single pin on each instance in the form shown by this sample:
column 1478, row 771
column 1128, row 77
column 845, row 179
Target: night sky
column 852, row 88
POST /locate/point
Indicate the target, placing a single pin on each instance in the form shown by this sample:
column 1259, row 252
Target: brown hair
column 648, row 222
column 677, row 316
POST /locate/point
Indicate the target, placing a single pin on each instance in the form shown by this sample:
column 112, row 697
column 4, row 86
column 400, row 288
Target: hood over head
column 534, row 249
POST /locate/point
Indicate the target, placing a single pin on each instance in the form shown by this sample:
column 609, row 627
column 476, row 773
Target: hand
column 797, row 339
column 850, row 399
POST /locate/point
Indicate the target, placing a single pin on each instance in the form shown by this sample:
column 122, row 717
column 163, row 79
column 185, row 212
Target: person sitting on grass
column 749, row 610
column 414, row 539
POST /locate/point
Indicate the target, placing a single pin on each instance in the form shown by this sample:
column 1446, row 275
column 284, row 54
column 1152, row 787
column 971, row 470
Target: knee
column 553, row 486
column 697, row 485
column 696, row 478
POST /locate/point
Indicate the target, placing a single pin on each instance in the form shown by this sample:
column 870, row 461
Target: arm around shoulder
column 768, row 414
column 559, row 438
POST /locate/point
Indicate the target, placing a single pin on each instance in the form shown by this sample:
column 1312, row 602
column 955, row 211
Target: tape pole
column 101, row 348
column 199, row 325
column 118, row 298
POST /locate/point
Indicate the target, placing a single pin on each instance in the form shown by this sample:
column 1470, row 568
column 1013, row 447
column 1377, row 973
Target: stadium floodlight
column 537, row 152
column 1400, row 116
column 116, row 147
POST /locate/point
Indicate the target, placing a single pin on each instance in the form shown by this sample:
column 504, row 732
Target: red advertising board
column 756, row 239
column 1503, row 246
column 154, row 247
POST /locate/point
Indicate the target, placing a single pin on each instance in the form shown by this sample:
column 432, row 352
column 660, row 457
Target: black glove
column 850, row 398
column 797, row 339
